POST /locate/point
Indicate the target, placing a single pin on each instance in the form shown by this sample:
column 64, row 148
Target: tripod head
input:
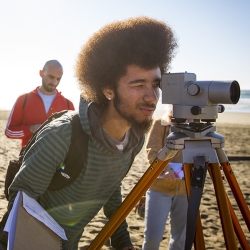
column 198, row 100
column 194, row 129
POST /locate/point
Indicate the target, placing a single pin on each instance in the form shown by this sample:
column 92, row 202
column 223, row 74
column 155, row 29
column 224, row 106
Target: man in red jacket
column 32, row 109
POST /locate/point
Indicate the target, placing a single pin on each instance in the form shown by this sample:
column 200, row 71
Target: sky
column 213, row 38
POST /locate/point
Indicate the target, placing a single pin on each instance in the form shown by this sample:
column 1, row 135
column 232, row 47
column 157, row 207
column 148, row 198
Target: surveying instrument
column 202, row 151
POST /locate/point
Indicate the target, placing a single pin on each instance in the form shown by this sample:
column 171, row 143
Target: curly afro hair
column 103, row 60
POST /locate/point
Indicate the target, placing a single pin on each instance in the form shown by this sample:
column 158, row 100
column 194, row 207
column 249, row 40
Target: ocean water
column 243, row 105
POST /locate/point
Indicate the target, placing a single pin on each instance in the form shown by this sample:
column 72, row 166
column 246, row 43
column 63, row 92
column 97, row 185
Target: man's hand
column 34, row 128
column 170, row 175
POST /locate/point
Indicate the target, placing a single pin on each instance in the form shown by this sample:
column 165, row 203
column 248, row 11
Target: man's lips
column 147, row 110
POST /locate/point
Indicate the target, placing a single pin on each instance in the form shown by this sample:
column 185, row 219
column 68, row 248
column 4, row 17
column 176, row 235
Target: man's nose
column 151, row 95
column 54, row 81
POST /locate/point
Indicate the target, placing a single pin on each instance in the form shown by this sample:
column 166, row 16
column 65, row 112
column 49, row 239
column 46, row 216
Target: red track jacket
column 21, row 118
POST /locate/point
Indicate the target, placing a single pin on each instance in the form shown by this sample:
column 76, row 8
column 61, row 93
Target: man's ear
column 109, row 93
column 41, row 73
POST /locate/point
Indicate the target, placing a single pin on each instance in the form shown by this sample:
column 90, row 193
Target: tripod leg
column 226, row 220
column 237, row 192
column 199, row 242
column 196, row 188
column 234, row 186
column 154, row 170
column 237, row 228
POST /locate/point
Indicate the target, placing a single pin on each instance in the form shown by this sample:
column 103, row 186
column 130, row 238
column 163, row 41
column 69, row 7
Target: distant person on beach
column 32, row 109
column 167, row 195
column 119, row 70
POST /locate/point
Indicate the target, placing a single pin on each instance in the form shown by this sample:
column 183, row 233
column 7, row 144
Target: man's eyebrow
column 157, row 79
column 54, row 76
column 142, row 80
column 137, row 81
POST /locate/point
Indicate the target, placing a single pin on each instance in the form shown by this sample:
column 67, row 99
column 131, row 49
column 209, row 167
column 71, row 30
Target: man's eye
column 157, row 85
column 137, row 85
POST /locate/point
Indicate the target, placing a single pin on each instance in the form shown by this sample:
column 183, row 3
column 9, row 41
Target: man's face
column 51, row 77
column 136, row 96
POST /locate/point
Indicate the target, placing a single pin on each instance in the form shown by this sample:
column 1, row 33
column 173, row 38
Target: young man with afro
column 119, row 70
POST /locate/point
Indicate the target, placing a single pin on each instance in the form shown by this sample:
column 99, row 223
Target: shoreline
column 229, row 118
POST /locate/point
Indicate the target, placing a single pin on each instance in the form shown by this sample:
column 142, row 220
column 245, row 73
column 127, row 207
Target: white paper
column 10, row 225
column 177, row 168
column 37, row 211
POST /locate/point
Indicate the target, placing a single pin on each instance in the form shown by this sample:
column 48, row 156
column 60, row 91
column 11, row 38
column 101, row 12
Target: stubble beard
column 140, row 126
column 48, row 87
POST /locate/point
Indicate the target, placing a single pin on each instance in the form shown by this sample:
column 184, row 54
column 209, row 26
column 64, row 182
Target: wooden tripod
column 196, row 142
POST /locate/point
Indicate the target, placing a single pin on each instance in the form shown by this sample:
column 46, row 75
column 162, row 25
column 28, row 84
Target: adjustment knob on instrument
column 193, row 89
column 196, row 110
column 221, row 108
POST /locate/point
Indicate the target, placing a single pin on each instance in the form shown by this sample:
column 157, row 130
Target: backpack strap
column 67, row 103
column 74, row 160
column 25, row 100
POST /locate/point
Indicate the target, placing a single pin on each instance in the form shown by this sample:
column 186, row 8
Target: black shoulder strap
column 25, row 100
column 74, row 160
column 67, row 103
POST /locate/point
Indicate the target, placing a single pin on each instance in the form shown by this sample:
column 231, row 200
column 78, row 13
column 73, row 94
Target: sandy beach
column 235, row 127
